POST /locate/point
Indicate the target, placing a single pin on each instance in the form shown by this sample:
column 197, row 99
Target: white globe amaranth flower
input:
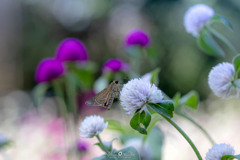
column 219, row 150
column 136, row 93
column 196, row 17
column 144, row 153
column 147, row 77
column 220, row 80
column 92, row 126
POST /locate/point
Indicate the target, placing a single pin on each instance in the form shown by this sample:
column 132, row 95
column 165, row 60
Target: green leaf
column 129, row 153
column 135, row 123
column 223, row 20
column 208, row 44
column 165, row 107
column 176, row 99
column 155, row 141
column 39, row 92
column 190, row 100
column 154, row 78
column 106, row 145
column 236, row 63
column 220, row 37
column 146, row 119
column 230, row 157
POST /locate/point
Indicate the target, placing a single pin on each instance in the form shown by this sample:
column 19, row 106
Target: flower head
column 49, row 69
column 220, row 80
column 137, row 144
column 82, row 145
column 196, row 17
column 136, row 93
column 115, row 65
column 71, row 49
column 92, row 126
column 219, row 150
column 137, row 37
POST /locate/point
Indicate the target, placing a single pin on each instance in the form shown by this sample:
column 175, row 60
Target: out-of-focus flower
column 137, row 37
column 82, row 145
column 92, row 126
column 219, row 150
column 115, row 65
column 147, row 77
column 196, row 17
column 71, row 49
column 49, row 69
column 136, row 93
column 144, row 152
column 221, row 79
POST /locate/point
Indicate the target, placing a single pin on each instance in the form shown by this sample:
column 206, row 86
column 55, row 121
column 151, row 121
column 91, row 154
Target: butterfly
column 106, row 96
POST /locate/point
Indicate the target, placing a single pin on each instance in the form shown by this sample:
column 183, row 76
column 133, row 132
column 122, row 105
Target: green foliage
column 107, row 146
column 221, row 19
column 208, row 44
column 134, row 51
column 236, row 63
column 165, row 107
column 191, row 100
column 230, row 157
column 39, row 93
column 155, row 141
column 140, row 121
column 155, row 78
column 129, row 153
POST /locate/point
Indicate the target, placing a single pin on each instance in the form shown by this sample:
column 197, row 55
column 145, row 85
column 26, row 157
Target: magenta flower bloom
column 137, row 37
column 71, row 49
column 49, row 69
column 115, row 65
column 82, row 145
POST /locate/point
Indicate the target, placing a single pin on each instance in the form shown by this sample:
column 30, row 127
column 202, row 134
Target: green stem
column 60, row 99
column 223, row 39
column 184, row 135
column 71, row 95
column 199, row 126
column 101, row 143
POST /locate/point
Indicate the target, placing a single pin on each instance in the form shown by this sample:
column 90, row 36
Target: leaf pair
column 141, row 119
column 206, row 39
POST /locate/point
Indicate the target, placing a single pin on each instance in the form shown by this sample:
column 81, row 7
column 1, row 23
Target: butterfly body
column 105, row 97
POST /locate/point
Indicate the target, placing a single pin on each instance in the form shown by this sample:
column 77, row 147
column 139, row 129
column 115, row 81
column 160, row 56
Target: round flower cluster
column 196, row 17
column 115, row 65
column 70, row 49
column 137, row 37
column 136, row 93
column 221, row 79
column 219, row 150
column 49, row 69
column 92, row 126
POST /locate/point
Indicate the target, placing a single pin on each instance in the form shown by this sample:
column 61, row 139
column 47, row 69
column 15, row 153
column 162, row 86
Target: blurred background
column 30, row 30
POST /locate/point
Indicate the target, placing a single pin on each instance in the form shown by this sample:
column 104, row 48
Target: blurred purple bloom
column 71, row 49
column 115, row 65
column 137, row 37
column 49, row 69
column 82, row 145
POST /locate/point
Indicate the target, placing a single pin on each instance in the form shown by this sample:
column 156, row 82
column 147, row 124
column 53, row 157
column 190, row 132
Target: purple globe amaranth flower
column 115, row 65
column 82, row 145
column 137, row 37
column 49, row 69
column 71, row 49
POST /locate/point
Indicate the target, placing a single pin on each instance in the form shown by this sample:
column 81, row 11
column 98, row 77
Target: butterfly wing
column 101, row 98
